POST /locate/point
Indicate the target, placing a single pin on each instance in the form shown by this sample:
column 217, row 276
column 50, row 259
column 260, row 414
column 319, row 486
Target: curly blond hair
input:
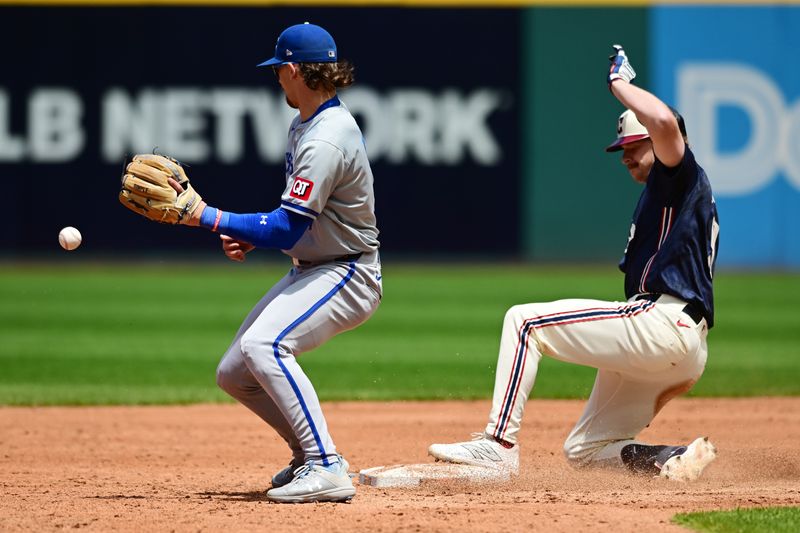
column 327, row 76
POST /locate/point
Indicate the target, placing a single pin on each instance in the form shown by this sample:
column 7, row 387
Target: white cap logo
column 288, row 52
column 331, row 53
column 630, row 125
column 629, row 129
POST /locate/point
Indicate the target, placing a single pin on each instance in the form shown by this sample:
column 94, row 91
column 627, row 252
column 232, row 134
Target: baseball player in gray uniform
column 326, row 224
column 649, row 348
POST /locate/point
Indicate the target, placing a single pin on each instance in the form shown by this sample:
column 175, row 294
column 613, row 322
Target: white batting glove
column 621, row 68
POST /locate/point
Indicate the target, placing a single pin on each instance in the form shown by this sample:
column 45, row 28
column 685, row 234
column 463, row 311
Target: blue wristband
column 210, row 218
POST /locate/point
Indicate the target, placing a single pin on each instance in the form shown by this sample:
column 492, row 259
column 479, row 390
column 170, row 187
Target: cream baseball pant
column 304, row 309
column 646, row 352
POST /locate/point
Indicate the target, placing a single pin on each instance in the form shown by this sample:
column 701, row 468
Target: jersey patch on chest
column 301, row 188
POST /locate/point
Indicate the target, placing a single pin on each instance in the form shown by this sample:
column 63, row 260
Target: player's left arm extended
column 277, row 229
column 157, row 187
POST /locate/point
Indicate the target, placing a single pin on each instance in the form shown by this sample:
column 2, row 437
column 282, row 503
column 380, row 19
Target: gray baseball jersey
column 328, row 178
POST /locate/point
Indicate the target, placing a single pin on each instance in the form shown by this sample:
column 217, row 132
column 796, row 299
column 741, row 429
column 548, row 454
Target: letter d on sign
column 702, row 89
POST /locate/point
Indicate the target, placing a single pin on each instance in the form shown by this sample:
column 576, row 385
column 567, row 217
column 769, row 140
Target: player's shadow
column 252, row 496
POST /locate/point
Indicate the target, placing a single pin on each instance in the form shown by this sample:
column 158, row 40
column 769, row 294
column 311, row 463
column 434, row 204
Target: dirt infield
column 204, row 468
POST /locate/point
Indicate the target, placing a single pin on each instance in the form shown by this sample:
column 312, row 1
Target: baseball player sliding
column 647, row 349
column 326, row 223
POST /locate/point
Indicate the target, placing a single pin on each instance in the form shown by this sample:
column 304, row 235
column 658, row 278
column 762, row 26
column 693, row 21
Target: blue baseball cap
column 303, row 43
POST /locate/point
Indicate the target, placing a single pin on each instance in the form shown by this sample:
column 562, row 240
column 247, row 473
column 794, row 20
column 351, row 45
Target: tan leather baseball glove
column 146, row 189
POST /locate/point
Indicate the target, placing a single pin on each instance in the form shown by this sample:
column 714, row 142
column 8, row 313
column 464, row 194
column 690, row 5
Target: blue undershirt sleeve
column 277, row 229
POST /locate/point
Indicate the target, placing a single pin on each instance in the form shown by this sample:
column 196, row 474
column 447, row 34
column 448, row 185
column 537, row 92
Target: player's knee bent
column 514, row 317
column 229, row 379
column 225, row 381
column 230, row 376
column 518, row 314
column 577, row 453
column 258, row 350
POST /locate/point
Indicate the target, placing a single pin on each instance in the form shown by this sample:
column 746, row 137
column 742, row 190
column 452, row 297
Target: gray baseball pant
column 304, row 309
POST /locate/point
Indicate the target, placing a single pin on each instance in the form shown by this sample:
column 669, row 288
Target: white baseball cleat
column 482, row 450
column 285, row 476
column 316, row 483
column 690, row 464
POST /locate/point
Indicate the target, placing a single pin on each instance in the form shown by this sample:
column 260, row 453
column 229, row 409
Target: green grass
column 768, row 520
column 122, row 334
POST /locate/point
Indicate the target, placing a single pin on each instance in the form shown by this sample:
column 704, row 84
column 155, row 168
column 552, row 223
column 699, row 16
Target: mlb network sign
column 733, row 75
column 404, row 125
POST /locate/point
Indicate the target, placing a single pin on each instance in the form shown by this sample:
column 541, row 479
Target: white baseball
column 69, row 238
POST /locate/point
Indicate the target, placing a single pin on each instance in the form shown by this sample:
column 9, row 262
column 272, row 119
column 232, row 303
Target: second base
column 415, row 474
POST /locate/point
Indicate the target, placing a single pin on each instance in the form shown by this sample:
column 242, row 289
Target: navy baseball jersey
column 672, row 246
